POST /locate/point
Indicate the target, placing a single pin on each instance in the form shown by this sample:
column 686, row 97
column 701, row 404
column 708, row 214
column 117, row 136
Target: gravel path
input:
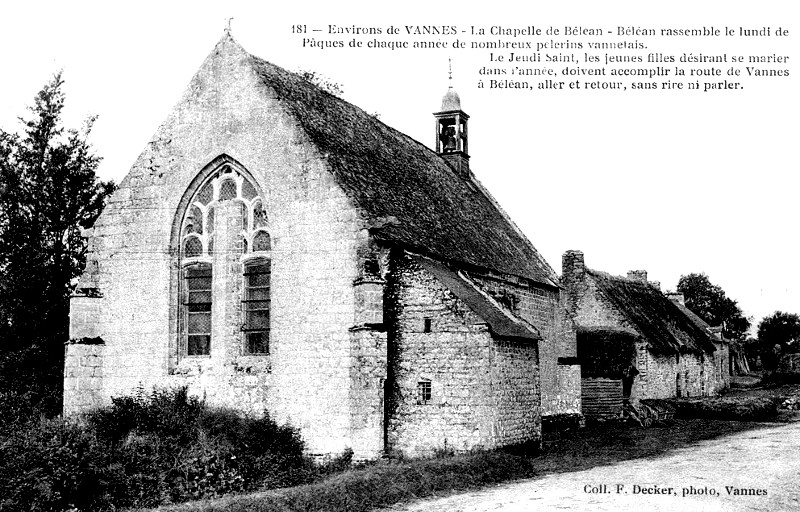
column 765, row 463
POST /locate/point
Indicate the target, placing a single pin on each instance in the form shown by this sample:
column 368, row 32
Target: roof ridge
column 386, row 172
column 652, row 313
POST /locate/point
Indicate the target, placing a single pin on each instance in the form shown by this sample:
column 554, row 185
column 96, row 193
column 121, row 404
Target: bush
column 53, row 465
column 778, row 379
column 30, row 386
column 737, row 408
column 143, row 451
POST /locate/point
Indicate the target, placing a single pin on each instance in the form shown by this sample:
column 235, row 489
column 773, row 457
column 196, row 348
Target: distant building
column 634, row 342
column 722, row 354
column 275, row 248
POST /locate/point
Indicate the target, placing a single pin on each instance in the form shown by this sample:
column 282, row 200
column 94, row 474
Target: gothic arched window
column 252, row 246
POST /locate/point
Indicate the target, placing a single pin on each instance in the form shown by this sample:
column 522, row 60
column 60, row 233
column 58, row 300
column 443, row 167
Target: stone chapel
column 276, row 249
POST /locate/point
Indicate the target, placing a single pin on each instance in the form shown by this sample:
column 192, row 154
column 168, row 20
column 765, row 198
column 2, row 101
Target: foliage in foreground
column 144, row 451
column 381, row 485
column 385, row 484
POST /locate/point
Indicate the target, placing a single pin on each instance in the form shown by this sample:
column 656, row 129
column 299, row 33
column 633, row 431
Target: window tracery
column 197, row 240
column 196, row 261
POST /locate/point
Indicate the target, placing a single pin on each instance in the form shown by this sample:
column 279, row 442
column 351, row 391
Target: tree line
column 777, row 334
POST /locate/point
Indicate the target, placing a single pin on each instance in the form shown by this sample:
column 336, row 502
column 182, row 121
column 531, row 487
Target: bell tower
column 451, row 131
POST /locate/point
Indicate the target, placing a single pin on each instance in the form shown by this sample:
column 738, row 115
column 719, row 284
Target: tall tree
column 710, row 303
column 781, row 329
column 49, row 192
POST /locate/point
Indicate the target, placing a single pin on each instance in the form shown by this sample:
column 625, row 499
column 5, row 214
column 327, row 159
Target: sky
column 672, row 182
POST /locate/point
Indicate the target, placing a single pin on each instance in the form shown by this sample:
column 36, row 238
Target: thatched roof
column 702, row 324
column 666, row 328
column 409, row 191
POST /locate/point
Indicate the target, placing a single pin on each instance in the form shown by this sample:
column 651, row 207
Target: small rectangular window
column 197, row 307
column 427, row 326
column 423, row 391
column 256, row 305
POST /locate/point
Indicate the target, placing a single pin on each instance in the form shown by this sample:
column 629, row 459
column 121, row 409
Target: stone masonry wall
column 83, row 377
column 545, row 309
column 315, row 232
column 658, row 378
column 670, row 375
column 473, row 379
column 516, row 393
column 367, row 374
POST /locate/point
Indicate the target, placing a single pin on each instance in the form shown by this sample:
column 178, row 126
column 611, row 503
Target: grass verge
column 385, row 484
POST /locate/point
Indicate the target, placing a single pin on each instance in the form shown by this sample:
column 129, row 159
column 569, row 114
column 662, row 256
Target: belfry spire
column 451, row 129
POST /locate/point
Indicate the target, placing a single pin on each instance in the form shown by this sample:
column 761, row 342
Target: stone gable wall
column 544, row 308
column 315, row 233
column 596, row 310
column 483, row 393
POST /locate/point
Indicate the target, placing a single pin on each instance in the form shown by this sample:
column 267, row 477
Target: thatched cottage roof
column 700, row 323
column 660, row 321
column 406, row 188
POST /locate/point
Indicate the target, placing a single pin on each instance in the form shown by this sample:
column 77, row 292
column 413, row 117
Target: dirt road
column 753, row 470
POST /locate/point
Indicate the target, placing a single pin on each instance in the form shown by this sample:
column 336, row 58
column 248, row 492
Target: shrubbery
column 738, row 408
column 143, row 451
column 777, row 379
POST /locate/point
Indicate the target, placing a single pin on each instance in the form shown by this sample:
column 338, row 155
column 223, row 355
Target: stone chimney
column 572, row 266
column 638, row 275
column 676, row 297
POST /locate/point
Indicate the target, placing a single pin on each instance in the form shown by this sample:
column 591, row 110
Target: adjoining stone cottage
column 721, row 377
column 275, row 248
column 634, row 342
